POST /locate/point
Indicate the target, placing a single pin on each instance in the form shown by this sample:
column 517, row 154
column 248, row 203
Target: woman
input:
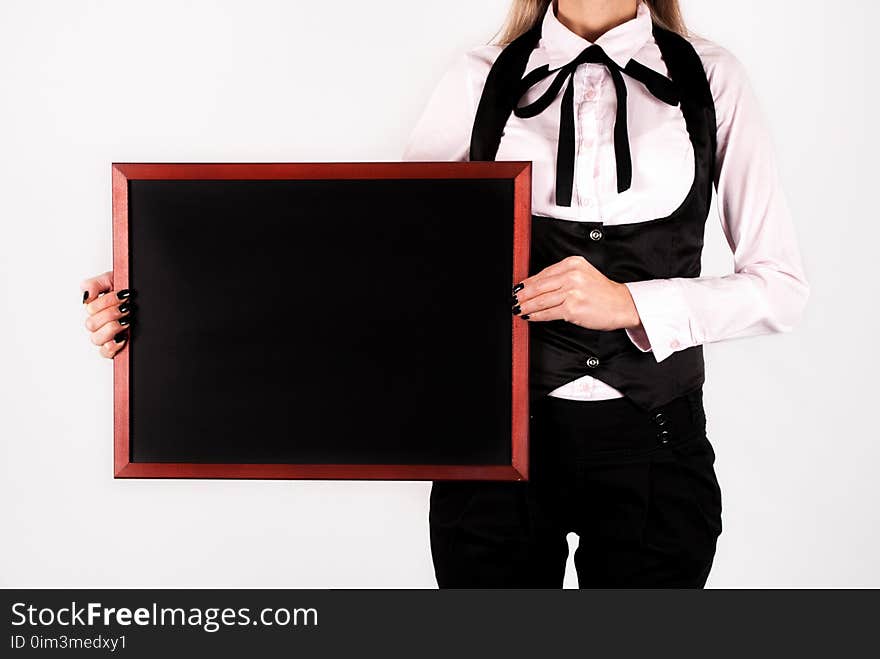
column 629, row 125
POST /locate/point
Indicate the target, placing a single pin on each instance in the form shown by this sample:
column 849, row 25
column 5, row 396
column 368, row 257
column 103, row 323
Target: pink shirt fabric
column 767, row 290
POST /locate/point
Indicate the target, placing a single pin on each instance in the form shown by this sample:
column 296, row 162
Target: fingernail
column 119, row 338
column 85, row 296
column 518, row 287
column 514, row 300
column 125, row 321
column 525, row 316
column 124, row 308
column 516, row 310
column 124, row 293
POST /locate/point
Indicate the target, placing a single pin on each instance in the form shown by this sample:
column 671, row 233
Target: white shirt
column 768, row 289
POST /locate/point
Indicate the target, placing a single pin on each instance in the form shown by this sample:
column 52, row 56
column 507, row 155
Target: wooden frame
column 518, row 172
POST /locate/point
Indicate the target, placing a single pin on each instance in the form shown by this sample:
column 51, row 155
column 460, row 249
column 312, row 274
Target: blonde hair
column 524, row 13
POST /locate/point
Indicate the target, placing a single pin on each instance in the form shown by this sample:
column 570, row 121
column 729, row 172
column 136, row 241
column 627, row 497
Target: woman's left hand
column 574, row 291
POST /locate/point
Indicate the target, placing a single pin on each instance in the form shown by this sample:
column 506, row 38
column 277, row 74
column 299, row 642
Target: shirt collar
column 620, row 43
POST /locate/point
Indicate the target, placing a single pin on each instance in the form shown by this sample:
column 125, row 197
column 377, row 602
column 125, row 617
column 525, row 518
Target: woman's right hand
column 109, row 313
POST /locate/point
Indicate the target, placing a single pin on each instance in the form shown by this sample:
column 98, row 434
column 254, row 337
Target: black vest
column 665, row 247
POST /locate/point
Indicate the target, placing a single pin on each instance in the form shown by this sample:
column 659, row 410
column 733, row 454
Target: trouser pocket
column 687, row 460
column 684, row 508
column 693, row 460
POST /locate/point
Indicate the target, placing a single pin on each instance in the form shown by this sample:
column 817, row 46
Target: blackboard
column 322, row 320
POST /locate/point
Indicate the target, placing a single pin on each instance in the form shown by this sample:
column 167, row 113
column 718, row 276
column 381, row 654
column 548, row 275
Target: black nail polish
column 514, row 301
column 123, row 294
column 525, row 316
column 124, row 307
column 125, row 321
column 518, row 287
column 85, row 296
column 516, row 310
column 119, row 338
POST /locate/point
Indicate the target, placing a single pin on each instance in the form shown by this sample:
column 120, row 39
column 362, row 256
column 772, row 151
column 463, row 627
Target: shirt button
column 674, row 344
column 595, row 234
column 590, row 94
column 592, row 362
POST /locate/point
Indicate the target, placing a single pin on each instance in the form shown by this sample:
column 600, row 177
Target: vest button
column 663, row 436
column 592, row 362
column 660, row 419
column 595, row 234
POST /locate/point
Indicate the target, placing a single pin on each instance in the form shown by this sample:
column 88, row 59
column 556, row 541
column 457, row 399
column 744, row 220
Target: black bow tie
column 660, row 86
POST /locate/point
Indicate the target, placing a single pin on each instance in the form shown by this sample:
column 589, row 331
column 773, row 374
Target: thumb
column 92, row 287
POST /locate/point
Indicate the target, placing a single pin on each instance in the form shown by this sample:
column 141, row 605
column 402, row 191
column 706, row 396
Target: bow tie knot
column 592, row 55
column 660, row 86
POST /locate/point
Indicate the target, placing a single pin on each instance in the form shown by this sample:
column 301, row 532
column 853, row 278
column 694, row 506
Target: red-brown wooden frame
column 518, row 172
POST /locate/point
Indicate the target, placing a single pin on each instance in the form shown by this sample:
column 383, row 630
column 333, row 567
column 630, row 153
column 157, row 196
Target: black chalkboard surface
column 332, row 320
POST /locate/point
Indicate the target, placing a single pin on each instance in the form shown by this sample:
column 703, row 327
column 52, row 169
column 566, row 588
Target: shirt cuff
column 639, row 338
column 665, row 327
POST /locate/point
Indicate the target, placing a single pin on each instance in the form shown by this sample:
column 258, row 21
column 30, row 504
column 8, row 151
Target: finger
column 566, row 264
column 538, row 286
column 107, row 300
column 117, row 310
column 90, row 288
column 111, row 347
column 550, row 313
column 557, row 312
column 543, row 301
column 108, row 330
column 560, row 267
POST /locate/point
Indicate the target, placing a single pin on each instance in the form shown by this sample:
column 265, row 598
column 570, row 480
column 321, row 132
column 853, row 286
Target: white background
column 793, row 418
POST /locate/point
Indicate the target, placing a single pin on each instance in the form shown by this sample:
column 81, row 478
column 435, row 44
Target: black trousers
column 638, row 489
